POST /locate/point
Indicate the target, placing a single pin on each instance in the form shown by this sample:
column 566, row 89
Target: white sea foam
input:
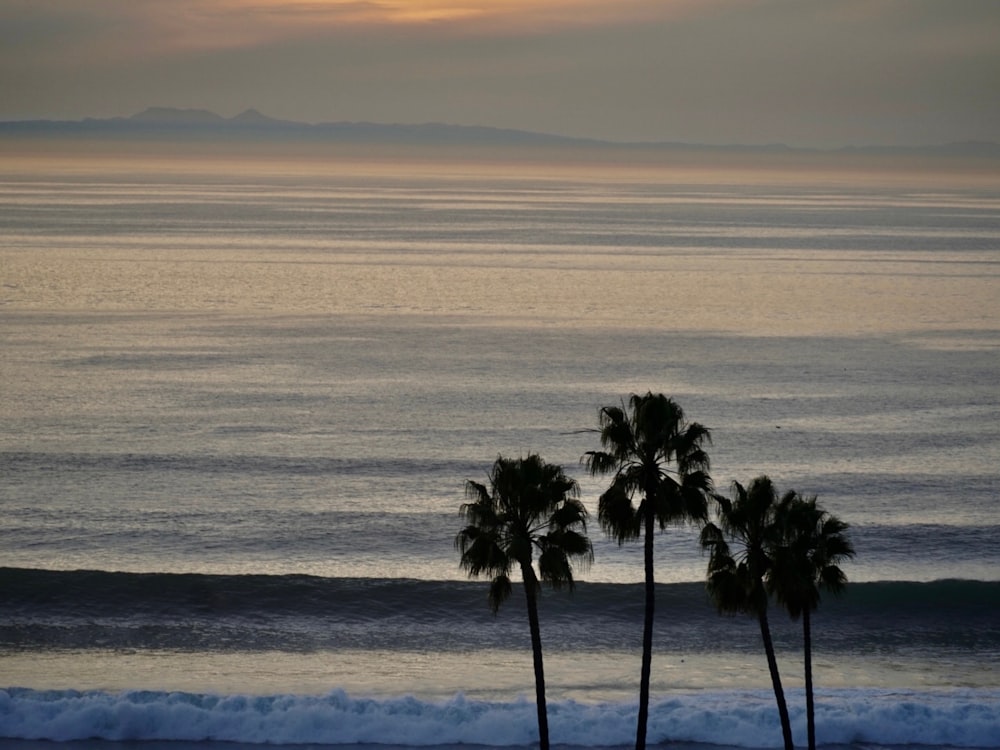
column 967, row 718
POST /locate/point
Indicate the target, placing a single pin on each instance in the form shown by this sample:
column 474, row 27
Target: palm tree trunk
column 647, row 633
column 807, row 653
column 530, row 589
column 779, row 693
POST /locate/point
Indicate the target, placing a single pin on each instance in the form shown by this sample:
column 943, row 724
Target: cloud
column 719, row 71
column 130, row 29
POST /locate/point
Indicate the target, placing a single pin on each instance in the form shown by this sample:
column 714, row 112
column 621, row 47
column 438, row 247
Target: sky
column 819, row 73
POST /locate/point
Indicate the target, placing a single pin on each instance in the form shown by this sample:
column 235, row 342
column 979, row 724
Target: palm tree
column 529, row 505
column 813, row 544
column 737, row 573
column 657, row 457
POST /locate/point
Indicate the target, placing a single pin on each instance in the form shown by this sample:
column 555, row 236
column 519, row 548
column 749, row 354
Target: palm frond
column 739, row 554
column 477, row 492
column 481, row 553
column 554, row 568
column 832, row 579
column 570, row 513
column 617, row 436
column 479, row 514
column 600, row 463
column 688, row 447
column 727, row 589
column 616, row 514
column 500, row 590
column 711, row 536
column 659, row 465
column 810, row 546
column 527, row 504
column 683, row 502
column 570, row 544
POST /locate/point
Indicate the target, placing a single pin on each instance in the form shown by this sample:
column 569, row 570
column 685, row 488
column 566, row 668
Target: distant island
column 159, row 123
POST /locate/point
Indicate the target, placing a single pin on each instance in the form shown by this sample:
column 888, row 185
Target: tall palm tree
column 528, row 506
column 740, row 558
column 812, row 546
column 657, row 458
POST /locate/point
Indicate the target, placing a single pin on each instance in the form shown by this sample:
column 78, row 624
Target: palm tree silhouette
column 736, row 574
column 812, row 545
column 658, row 457
column 529, row 505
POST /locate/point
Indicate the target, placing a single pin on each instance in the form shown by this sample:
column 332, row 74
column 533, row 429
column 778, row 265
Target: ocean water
column 241, row 399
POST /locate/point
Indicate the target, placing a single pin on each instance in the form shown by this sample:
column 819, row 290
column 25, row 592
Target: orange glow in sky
column 410, row 11
column 144, row 30
column 248, row 20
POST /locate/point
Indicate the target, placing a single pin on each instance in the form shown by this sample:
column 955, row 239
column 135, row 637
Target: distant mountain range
column 166, row 122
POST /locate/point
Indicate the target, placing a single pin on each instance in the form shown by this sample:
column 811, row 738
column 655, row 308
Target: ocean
column 241, row 397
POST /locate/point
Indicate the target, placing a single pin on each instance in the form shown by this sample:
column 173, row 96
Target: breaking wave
column 739, row 719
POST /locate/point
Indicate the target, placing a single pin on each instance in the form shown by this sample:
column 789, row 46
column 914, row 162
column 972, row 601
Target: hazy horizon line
column 155, row 119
